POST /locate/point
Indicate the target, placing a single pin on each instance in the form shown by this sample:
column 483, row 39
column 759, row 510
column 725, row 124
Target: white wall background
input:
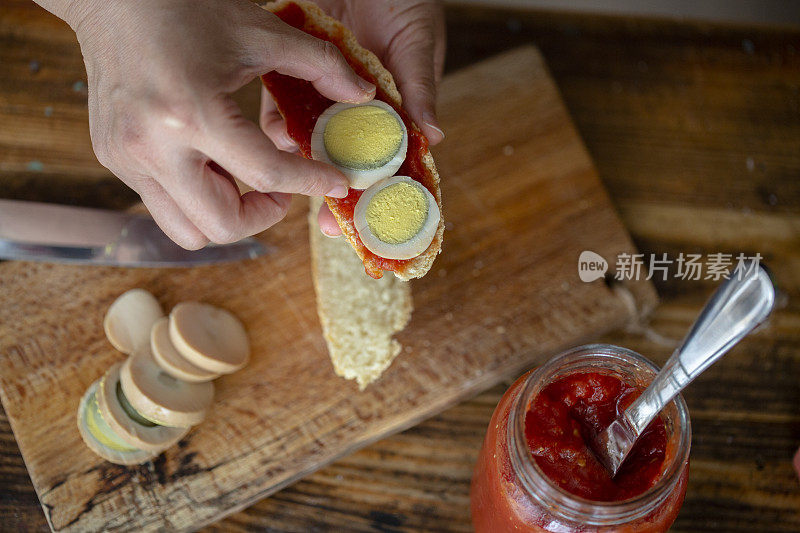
column 781, row 12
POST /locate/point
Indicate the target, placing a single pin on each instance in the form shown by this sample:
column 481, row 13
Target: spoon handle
column 735, row 309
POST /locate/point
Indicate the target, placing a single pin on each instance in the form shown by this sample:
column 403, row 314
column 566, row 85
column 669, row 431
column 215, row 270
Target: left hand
column 408, row 36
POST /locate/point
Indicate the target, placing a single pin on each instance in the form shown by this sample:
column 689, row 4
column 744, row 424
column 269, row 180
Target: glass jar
column 509, row 490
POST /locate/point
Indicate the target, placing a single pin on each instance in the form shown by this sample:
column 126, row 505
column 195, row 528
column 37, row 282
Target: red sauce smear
column 301, row 105
column 563, row 419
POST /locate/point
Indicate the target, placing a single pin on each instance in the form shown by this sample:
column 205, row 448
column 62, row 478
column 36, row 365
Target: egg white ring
column 114, row 456
column 404, row 250
column 359, row 179
column 157, row 438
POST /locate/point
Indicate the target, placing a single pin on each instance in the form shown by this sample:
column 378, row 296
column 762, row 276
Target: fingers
column 416, row 58
column 301, row 55
column 242, row 149
column 327, row 222
column 169, row 217
column 210, row 200
column 273, row 125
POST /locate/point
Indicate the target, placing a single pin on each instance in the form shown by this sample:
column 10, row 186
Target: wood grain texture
column 687, row 104
column 695, row 130
column 501, row 297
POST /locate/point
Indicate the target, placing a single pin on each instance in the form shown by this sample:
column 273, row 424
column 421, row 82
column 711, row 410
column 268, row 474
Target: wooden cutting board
column 522, row 200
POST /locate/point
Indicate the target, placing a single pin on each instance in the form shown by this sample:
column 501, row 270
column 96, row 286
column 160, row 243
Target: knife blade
column 32, row 231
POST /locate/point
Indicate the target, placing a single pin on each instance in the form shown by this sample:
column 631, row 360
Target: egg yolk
column 100, row 429
column 363, row 137
column 396, row 213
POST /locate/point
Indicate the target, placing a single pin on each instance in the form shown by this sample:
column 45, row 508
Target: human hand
column 161, row 119
column 408, row 36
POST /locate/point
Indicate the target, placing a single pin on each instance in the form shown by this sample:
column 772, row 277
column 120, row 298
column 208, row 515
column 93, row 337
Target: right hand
column 161, row 118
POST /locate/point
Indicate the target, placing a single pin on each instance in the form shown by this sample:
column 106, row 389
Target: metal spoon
column 735, row 309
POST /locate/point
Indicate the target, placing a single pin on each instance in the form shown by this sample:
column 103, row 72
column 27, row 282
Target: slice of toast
column 368, row 66
column 359, row 315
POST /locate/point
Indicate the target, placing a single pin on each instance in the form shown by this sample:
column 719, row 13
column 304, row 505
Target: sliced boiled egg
column 134, row 429
column 130, row 318
column 210, row 338
column 99, row 436
column 366, row 142
column 170, row 360
column 396, row 218
column 160, row 398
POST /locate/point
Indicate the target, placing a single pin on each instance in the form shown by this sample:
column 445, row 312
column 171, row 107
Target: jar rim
column 536, row 483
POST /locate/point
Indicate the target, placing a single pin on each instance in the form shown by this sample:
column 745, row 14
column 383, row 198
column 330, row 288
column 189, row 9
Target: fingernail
column 288, row 141
column 328, row 235
column 289, row 145
column 366, row 86
column 339, row 191
column 429, row 120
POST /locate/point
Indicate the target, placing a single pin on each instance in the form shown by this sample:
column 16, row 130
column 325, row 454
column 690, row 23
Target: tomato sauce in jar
column 536, row 471
column 561, row 423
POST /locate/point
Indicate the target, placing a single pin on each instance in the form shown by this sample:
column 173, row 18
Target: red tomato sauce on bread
column 300, row 104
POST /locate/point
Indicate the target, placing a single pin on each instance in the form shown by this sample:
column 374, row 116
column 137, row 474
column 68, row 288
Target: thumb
column 298, row 54
column 241, row 148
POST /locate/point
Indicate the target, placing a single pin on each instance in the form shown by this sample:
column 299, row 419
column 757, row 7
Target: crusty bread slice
column 359, row 315
column 418, row 266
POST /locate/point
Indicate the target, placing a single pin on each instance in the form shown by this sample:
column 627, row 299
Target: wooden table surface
column 695, row 130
